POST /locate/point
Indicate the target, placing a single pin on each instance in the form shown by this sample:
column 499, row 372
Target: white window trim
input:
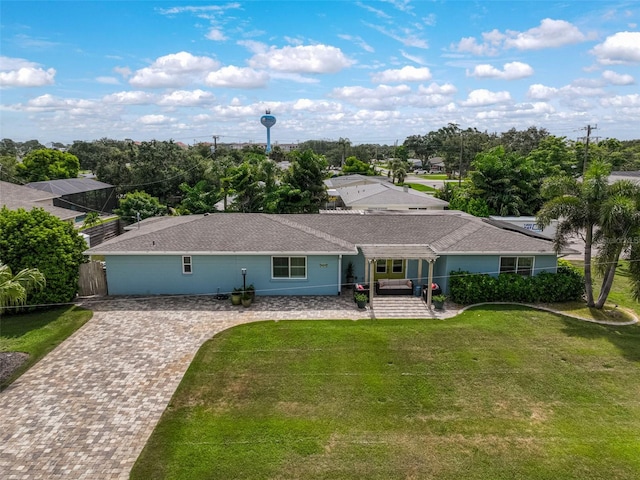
column 518, row 257
column 185, row 264
column 306, row 267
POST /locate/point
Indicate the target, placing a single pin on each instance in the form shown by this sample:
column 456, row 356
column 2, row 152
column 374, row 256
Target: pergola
column 372, row 253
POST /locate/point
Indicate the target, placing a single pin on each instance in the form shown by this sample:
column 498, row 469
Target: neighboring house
column 81, row 194
column 437, row 164
column 633, row 176
column 359, row 192
column 17, row 196
column 309, row 254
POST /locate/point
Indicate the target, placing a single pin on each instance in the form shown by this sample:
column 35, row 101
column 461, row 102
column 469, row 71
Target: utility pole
column 460, row 166
column 588, row 128
column 215, row 145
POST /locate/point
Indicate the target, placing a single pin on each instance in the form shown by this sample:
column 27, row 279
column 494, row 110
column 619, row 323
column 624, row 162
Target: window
column 520, row 265
column 289, row 267
column 186, row 265
column 398, row 266
column 381, row 266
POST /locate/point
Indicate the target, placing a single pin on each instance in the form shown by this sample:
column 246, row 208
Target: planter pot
column 439, row 305
column 361, row 303
column 246, row 302
column 236, row 299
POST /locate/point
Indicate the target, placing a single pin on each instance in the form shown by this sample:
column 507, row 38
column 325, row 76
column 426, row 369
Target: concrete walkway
column 87, row 409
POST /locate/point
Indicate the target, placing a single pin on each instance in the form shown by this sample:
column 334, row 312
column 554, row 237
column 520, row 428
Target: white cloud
column 383, row 97
column 186, row 98
column 358, row 41
column 483, row 97
column 236, row 77
column 125, row 72
column 510, row 71
column 48, row 102
column 618, row 79
column 108, row 80
column 18, row 72
column 28, row 77
column 216, row 35
column 130, row 98
column 434, row 88
column 302, row 59
column 174, row 70
column 404, row 74
column 620, row 48
column 406, row 37
column 632, row 100
column 550, row 34
column 316, row 106
column 541, row 92
column 155, row 119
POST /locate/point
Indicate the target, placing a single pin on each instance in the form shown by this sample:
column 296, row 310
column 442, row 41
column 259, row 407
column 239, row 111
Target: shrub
column 468, row 288
column 37, row 239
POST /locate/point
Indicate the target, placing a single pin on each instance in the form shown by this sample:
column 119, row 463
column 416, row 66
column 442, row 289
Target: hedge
column 566, row 285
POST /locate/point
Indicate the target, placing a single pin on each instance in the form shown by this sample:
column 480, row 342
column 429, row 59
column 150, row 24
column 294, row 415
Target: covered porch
column 421, row 253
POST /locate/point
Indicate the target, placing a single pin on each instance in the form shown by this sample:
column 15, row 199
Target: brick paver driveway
column 87, row 409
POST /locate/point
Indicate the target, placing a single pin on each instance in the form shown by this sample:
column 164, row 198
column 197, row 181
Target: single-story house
column 15, row 196
column 81, row 194
column 309, row 254
column 359, row 192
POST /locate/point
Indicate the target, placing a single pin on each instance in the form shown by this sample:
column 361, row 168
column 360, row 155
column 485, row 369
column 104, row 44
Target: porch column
column 372, row 285
column 429, row 290
column 420, row 270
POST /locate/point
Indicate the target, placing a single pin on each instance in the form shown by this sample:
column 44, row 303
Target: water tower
column 268, row 121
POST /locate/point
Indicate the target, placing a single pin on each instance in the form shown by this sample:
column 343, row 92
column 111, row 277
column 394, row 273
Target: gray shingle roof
column 384, row 195
column 17, row 196
column 445, row 232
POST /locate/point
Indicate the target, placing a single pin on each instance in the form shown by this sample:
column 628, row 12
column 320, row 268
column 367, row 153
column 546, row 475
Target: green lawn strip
column 38, row 333
column 421, row 188
column 498, row 392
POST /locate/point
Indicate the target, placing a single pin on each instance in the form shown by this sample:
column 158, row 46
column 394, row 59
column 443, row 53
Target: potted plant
column 350, row 274
column 438, row 301
column 361, row 299
column 246, row 299
column 236, row 296
column 251, row 291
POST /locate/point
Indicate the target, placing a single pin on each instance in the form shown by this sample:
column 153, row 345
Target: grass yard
column 38, row 333
column 500, row 392
column 421, row 188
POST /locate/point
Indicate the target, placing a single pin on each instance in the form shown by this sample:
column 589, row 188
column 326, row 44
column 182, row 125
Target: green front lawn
column 420, row 187
column 499, row 392
column 38, row 333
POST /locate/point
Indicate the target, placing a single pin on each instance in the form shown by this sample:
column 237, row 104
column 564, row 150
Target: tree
column 353, row 165
column 553, row 156
column 508, row 182
column 200, row 198
column 619, row 230
column 37, row 239
column 138, row 206
column 46, row 164
column 577, row 207
column 15, row 288
column 306, row 173
column 523, row 142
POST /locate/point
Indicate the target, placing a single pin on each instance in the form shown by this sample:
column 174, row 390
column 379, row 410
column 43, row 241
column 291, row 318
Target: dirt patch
column 10, row 362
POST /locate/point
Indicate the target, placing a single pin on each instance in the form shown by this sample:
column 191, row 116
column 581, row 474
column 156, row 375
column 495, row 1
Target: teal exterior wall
column 484, row 264
column 162, row 275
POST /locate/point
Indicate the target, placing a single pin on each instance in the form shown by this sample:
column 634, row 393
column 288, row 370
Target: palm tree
column 606, row 216
column 14, row 288
column 619, row 231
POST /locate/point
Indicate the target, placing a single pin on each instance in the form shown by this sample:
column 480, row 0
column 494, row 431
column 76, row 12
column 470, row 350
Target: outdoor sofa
column 394, row 286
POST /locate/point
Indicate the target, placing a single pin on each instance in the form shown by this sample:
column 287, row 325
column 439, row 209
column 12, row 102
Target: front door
column 390, row 268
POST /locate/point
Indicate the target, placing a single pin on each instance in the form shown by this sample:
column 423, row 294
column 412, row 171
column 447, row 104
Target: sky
column 370, row 71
